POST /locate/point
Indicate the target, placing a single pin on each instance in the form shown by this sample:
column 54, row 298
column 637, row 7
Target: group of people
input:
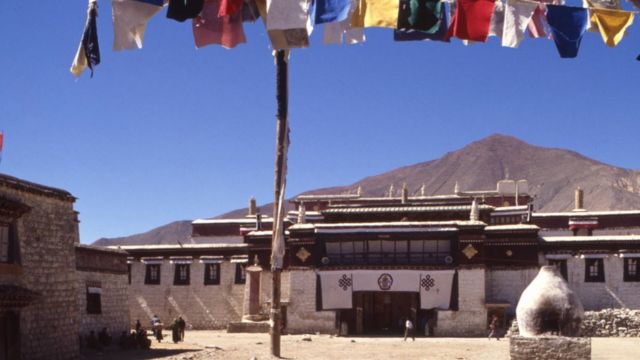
column 177, row 328
column 102, row 340
column 494, row 327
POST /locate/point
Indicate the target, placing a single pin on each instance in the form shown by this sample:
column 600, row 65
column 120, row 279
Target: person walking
column 408, row 330
column 493, row 326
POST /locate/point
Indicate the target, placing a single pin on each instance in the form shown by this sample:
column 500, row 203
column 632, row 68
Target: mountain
column 553, row 175
column 166, row 234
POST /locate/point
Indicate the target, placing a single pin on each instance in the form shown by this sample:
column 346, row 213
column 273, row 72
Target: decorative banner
column 337, row 289
column 1, row 141
column 434, row 286
column 435, row 289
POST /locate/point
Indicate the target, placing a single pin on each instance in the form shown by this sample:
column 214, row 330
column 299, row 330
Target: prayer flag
column 472, row 20
column 88, row 54
column 1, row 141
column 568, row 25
column 612, row 24
column 376, row 13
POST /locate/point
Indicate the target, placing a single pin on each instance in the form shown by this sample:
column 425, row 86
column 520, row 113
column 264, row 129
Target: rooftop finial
column 506, row 173
column 405, row 193
column 423, row 190
column 302, row 214
column 359, row 193
column 474, row 215
column 391, row 190
column 456, row 188
column 252, row 206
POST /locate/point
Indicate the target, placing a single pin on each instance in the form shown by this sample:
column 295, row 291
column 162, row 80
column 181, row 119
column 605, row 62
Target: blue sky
column 170, row 132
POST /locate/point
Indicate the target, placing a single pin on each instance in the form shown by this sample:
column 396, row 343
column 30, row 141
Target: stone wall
column 46, row 235
column 114, row 300
column 302, row 316
column 202, row 306
column 471, row 317
column 613, row 293
column 611, row 322
column 507, row 285
column 549, row 348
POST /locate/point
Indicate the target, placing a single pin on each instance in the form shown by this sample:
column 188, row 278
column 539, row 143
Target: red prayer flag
column 230, row 7
column 471, row 20
column 1, row 141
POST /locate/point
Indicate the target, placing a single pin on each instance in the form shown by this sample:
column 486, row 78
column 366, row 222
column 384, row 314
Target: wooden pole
column 282, row 133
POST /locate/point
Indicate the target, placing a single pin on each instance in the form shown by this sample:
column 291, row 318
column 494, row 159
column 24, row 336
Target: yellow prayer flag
column 612, row 24
column 376, row 13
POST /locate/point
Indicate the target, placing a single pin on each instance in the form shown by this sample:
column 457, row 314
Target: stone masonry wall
column 302, row 316
column 114, row 300
column 47, row 235
column 508, row 285
column 471, row 317
column 202, row 306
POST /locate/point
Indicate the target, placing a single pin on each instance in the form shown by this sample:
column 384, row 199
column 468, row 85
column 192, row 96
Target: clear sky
column 170, row 132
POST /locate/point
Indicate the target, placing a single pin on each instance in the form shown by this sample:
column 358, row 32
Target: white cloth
column 289, row 23
column 497, row 19
column 408, row 324
column 335, row 32
column 130, row 19
column 516, row 18
column 337, row 289
column 435, row 289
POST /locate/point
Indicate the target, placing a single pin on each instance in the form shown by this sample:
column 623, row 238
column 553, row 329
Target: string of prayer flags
column 328, row 11
column 130, row 18
column 342, row 31
column 376, row 13
column 88, row 54
column 209, row 28
column 517, row 16
column 612, row 24
column 182, row 10
column 289, row 23
column 472, row 20
column 568, row 25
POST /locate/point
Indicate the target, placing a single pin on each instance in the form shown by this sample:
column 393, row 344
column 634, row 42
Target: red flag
column 471, row 20
column 1, row 140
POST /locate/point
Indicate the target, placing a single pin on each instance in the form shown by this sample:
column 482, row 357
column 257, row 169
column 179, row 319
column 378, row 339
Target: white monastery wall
column 114, row 302
column 201, row 306
column 302, row 316
column 471, row 317
column 507, row 285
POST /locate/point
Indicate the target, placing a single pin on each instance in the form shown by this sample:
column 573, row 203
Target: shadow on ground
column 113, row 354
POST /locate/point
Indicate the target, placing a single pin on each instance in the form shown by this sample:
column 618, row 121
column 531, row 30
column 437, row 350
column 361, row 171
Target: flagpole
column 277, row 242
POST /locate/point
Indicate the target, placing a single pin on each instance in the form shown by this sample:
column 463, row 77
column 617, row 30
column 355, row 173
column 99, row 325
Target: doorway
column 384, row 313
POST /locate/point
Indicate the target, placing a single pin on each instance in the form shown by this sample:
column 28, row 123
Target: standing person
column 493, row 326
column 138, row 325
column 408, row 330
column 157, row 327
column 175, row 331
column 182, row 325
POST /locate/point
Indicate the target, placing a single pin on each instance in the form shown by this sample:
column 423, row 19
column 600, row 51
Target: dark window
column 391, row 252
column 152, row 274
column 8, row 244
column 594, row 270
column 212, row 274
column 94, row 305
column 129, row 272
column 182, row 274
column 241, row 274
column 631, row 269
column 561, row 264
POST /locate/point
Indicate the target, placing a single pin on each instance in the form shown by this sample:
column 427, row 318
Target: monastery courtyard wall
column 202, row 306
column 471, row 317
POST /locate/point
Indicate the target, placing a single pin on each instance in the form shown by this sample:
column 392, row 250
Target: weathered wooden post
column 277, row 241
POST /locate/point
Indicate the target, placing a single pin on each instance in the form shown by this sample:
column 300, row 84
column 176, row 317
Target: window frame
column 627, row 276
column 599, row 277
column 209, row 281
column 13, row 254
column 241, row 274
column 147, row 276
column 177, row 275
column 94, row 301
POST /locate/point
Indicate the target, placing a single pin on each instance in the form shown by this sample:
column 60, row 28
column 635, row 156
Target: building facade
column 40, row 316
column 360, row 265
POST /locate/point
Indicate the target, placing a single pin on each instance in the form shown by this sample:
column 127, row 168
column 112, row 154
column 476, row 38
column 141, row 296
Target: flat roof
column 586, row 213
column 177, row 246
column 512, row 227
column 594, row 238
column 402, row 209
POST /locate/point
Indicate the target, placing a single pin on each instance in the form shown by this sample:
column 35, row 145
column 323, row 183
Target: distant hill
column 553, row 175
column 166, row 234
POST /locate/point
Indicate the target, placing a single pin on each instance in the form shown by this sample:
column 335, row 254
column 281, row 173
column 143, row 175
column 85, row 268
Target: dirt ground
column 201, row 345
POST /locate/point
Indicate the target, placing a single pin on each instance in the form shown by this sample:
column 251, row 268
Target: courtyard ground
column 200, row 345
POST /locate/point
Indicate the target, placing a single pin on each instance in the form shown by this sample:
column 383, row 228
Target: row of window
column 594, row 269
column 388, row 251
column 182, row 274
